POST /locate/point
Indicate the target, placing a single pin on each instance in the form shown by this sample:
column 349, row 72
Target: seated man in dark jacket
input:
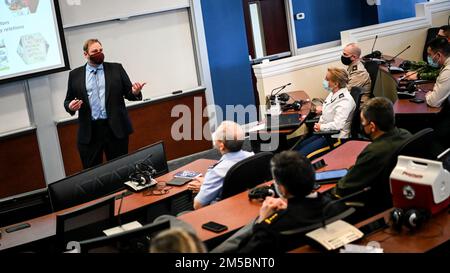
column 298, row 207
column 374, row 164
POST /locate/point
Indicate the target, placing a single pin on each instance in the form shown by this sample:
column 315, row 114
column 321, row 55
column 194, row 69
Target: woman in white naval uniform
column 337, row 113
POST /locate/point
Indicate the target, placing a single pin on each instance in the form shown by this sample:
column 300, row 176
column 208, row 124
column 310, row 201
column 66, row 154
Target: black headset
column 296, row 105
column 411, row 218
column 142, row 174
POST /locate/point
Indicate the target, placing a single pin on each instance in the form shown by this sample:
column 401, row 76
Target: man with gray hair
column 358, row 75
column 228, row 140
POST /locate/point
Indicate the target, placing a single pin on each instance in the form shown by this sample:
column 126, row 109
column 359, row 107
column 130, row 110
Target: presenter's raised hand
column 75, row 105
column 137, row 87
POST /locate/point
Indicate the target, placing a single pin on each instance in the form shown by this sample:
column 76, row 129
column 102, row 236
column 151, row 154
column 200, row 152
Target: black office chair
column 86, row 222
column 421, row 145
column 379, row 198
column 104, row 179
column 431, row 34
column 247, row 174
column 356, row 93
column 372, row 68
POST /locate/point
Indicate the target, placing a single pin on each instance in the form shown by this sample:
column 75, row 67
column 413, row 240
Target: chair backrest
column 105, row 179
column 420, row 145
column 417, row 146
column 372, row 68
column 131, row 241
column 356, row 93
column 431, row 34
column 86, row 222
column 247, row 174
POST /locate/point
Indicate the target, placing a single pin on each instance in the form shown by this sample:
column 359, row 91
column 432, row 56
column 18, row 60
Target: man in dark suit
column 97, row 90
column 299, row 206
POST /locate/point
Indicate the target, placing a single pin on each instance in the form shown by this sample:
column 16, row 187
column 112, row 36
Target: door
column 267, row 32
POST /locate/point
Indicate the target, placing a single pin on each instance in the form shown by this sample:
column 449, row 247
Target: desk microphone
column 327, row 206
column 272, row 95
column 120, row 208
column 393, row 58
column 373, row 54
column 415, row 72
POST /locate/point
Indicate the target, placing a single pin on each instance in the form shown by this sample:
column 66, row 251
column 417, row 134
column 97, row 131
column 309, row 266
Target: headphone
column 411, row 218
column 407, row 86
column 262, row 192
column 296, row 105
column 142, row 174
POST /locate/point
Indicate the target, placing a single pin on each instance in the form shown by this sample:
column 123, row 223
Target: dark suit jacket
column 301, row 212
column 117, row 86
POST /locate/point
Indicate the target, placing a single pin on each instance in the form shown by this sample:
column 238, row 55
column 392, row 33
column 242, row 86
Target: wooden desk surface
column 237, row 211
column 45, row 226
column 433, row 233
column 304, row 111
column 404, row 106
column 234, row 212
column 344, row 156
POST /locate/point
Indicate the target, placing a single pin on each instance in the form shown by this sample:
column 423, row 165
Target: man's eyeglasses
column 160, row 188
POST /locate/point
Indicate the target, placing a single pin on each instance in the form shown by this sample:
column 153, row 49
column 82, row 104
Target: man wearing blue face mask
column 427, row 70
column 439, row 53
column 337, row 113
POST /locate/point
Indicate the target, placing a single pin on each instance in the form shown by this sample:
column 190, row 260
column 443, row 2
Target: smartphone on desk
column 214, row 227
column 416, row 100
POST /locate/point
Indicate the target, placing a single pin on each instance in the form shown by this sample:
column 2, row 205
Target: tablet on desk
column 178, row 181
column 329, row 177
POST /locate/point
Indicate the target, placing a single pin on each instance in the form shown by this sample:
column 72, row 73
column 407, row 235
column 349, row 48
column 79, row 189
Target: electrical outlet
column 300, row 16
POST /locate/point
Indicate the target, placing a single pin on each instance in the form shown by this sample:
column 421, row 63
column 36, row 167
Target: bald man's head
column 352, row 49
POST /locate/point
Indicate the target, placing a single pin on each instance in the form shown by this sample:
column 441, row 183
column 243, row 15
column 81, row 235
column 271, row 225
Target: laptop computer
column 283, row 121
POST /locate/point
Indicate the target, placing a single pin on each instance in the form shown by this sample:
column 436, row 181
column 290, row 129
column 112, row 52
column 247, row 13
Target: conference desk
column 409, row 115
column 44, row 227
column 234, row 212
column 276, row 139
column 434, row 233
column 238, row 210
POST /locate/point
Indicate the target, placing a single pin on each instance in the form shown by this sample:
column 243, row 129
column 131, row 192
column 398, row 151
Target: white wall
column 175, row 31
column 306, row 71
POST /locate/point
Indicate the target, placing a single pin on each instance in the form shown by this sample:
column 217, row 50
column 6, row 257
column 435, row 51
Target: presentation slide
column 30, row 39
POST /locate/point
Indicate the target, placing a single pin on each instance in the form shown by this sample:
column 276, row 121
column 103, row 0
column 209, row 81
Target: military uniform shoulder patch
column 271, row 219
column 341, row 95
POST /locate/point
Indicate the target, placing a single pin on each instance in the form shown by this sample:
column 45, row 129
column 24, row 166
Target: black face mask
column 346, row 60
column 363, row 132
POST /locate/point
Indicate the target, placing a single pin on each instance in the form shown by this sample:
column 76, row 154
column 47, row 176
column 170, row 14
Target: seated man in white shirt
column 228, row 140
column 439, row 54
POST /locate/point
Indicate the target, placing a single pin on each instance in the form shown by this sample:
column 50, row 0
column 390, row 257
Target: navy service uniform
column 337, row 114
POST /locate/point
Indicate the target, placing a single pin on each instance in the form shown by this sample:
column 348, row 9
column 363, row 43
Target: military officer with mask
column 337, row 114
column 358, row 75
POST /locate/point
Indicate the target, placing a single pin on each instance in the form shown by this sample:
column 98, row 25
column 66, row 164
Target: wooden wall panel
column 152, row 122
column 20, row 164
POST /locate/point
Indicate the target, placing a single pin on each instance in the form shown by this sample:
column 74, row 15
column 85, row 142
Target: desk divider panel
column 152, row 122
column 20, row 164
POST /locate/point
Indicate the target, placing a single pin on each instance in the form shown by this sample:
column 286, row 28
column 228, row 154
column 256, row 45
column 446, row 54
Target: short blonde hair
column 88, row 43
column 176, row 240
column 338, row 75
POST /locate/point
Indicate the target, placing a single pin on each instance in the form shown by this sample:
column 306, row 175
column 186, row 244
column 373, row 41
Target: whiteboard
column 78, row 12
column 155, row 48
